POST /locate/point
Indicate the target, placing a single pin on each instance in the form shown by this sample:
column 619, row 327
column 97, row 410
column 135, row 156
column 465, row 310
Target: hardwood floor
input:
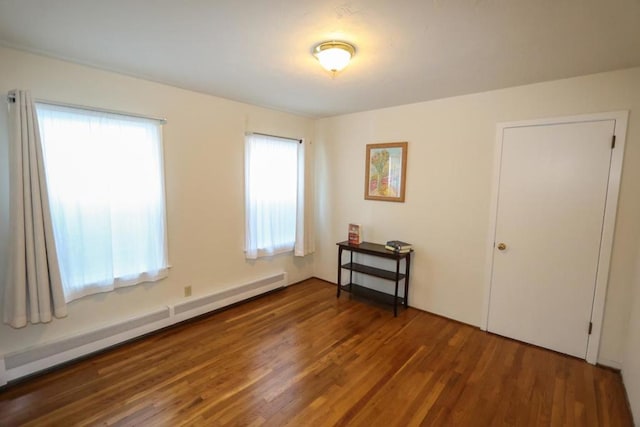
column 301, row 357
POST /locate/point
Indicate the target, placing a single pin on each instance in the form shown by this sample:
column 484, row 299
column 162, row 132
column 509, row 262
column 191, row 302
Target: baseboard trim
column 611, row 364
column 43, row 357
column 604, row 363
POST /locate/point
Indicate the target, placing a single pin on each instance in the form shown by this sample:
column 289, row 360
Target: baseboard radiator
column 44, row 356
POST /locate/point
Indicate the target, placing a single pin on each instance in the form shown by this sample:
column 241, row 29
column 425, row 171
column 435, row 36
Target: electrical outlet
column 187, row 291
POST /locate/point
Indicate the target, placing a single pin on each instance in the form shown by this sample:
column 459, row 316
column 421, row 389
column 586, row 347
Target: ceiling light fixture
column 334, row 56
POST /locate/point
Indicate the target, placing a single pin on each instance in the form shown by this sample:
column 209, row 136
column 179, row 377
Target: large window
column 272, row 184
column 105, row 182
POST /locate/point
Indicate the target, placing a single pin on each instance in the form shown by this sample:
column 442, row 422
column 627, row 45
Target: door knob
column 502, row 246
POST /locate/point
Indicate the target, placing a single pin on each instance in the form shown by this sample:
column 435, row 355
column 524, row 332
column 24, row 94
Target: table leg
column 339, row 271
column 395, row 299
column 351, row 274
column 406, row 279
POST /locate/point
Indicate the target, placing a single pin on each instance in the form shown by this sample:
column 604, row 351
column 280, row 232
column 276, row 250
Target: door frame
column 608, row 229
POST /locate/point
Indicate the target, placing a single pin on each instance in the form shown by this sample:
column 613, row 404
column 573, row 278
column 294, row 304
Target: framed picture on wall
column 385, row 171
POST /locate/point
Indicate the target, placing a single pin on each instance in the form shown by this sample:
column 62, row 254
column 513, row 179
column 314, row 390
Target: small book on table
column 355, row 234
column 398, row 246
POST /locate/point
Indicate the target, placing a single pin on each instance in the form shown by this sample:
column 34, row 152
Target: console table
column 377, row 250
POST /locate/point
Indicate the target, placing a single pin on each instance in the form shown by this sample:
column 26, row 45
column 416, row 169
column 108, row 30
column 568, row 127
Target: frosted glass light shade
column 334, row 56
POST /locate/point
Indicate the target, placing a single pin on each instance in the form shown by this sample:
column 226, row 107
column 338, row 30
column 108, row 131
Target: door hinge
column 613, row 141
column 590, row 327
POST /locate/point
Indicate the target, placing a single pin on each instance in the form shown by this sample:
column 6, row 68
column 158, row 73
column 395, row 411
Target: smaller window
column 271, row 194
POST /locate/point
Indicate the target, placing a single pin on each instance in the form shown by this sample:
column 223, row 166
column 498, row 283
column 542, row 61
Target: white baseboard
column 200, row 305
column 3, row 373
column 609, row 363
column 25, row 362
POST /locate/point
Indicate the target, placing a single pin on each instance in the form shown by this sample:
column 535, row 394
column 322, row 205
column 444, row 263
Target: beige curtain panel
column 33, row 288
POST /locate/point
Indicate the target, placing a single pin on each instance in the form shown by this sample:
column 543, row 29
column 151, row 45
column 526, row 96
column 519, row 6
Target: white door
column 551, row 204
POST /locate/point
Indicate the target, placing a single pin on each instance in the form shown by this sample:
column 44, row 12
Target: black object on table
column 377, row 250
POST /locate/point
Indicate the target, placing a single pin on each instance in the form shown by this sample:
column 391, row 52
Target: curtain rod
column 11, row 98
column 100, row 110
column 273, row 136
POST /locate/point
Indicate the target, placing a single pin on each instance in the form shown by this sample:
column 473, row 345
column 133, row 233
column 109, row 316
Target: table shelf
column 367, row 294
column 372, row 271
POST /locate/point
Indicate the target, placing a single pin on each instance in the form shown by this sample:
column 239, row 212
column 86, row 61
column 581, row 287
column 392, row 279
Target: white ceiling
column 260, row 51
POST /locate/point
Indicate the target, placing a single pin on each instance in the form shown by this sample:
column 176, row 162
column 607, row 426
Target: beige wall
column 631, row 364
column 451, row 146
column 203, row 145
column 449, row 179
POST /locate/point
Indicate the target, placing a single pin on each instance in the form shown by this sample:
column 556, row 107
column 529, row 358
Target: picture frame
column 386, row 171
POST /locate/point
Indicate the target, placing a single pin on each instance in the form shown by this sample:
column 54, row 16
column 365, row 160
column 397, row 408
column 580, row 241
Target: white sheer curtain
column 33, row 289
column 274, row 196
column 106, row 186
column 305, row 239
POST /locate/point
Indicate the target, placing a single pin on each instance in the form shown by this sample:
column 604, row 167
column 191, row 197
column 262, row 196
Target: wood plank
column 302, row 357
